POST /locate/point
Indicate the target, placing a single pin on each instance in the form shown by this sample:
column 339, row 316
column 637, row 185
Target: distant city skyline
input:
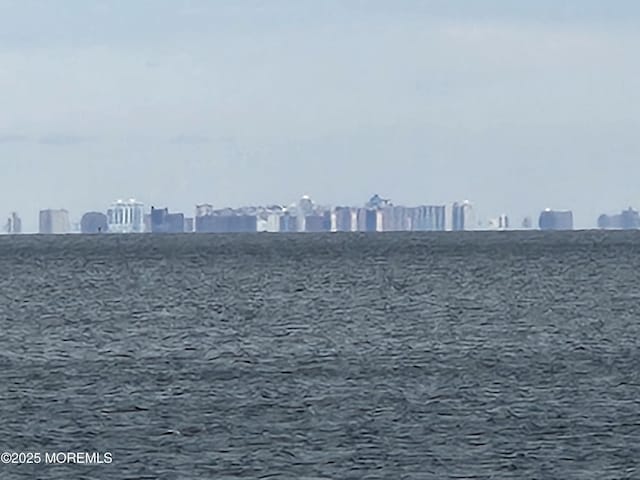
column 131, row 215
column 379, row 214
column 518, row 105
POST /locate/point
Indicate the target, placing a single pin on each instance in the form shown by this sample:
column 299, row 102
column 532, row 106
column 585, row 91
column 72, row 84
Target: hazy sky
column 514, row 105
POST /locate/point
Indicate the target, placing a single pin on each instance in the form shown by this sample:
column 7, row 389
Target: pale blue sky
column 516, row 106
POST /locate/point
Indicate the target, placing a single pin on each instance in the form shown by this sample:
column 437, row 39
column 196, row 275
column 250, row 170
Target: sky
column 515, row 106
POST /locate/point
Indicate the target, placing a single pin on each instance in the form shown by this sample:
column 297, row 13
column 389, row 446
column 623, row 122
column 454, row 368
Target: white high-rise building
column 305, row 208
column 126, row 216
column 462, row 217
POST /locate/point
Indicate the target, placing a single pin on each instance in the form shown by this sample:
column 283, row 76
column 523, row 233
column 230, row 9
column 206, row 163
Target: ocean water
column 383, row 356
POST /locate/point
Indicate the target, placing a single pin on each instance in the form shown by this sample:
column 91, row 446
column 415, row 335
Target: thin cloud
column 13, row 138
column 189, row 139
column 63, row 140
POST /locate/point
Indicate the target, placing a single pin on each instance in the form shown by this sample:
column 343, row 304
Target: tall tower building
column 457, row 217
column 54, row 221
column 366, row 220
column 341, row 219
column 304, row 209
column 14, row 224
column 462, row 216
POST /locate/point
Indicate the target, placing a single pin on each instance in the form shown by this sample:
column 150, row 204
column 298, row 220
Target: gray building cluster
column 226, row 220
column 378, row 214
column 626, row 220
column 123, row 216
column 555, row 220
column 164, row 222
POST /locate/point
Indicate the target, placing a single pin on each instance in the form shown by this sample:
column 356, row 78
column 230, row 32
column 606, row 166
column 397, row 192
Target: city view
column 298, row 239
column 376, row 215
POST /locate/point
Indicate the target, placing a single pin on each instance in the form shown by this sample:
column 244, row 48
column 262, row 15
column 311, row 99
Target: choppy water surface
column 323, row 357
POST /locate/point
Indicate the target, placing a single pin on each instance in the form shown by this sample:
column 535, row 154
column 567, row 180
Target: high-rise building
column 366, row 220
column 304, row 209
column 288, row 223
column 273, row 222
column 430, row 218
column 326, row 224
column 394, row 219
column 188, row 224
column 556, row 220
column 94, row 222
column 280, row 219
column 462, row 216
column 54, row 221
column 164, row 222
column 14, row 224
column 457, row 217
column 317, row 223
column 126, row 216
column 341, row 219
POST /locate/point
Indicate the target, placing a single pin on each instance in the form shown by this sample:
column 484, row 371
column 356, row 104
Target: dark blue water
column 476, row 355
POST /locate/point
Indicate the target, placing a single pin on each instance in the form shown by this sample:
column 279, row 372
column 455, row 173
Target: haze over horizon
column 516, row 107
